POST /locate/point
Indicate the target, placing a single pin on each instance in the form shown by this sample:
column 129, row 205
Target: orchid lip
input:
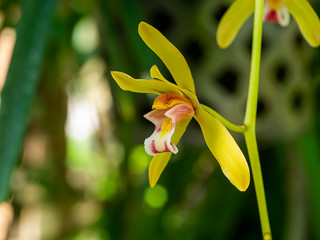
column 169, row 110
column 276, row 11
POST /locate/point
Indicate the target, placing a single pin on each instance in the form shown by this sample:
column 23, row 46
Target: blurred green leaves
column 85, row 36
column 309, row 146
column 97, row 187
column 139, row 160
column 32, row 36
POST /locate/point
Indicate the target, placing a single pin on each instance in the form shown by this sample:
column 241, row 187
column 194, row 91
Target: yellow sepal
column 307, row 20
column 169, row 55
column 224, row 149
column 232, row 21
column 129, row 83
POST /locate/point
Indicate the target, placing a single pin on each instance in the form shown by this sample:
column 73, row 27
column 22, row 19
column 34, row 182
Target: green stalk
column 258, row 183
column 225, row 122
column 250, row 119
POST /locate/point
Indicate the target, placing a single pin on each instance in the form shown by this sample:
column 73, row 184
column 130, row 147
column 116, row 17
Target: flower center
column 169, row 100
column 166, row 126
column 169, row 110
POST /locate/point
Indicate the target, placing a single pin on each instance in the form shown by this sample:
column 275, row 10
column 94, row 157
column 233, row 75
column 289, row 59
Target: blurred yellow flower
column 173, row 110
column 274, row 11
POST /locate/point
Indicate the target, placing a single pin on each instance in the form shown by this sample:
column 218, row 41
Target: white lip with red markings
column 276, row 12
column 170, row 109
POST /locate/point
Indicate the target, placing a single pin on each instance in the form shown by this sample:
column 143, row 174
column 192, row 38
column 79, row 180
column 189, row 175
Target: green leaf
column 309, row 145
column 32, row 36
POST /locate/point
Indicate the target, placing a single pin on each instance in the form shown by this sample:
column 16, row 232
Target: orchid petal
column 129, row 83
column 157, row 143
column 169, row 54
column 225, row 149
column 165, row 121
column 278, row 13
column 160, row 140
column 155, row 73
column 307, row 20
column 232, row 21
column 160, row 161
column 168, row 100
column 179, row 112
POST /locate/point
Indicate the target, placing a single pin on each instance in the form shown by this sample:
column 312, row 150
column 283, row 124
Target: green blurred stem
column 225, row 122
column 250, row 119
column 258, row 183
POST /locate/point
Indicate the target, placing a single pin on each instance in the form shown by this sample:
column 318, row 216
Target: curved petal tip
column 169, row 54
column 243, row 184
column 232, row 21
column 307, row 19
column 224, row 148
column 156, row 167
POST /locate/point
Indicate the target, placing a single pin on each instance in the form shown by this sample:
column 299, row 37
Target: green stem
column 250, row 119
column 258, row 183
column 225, row 122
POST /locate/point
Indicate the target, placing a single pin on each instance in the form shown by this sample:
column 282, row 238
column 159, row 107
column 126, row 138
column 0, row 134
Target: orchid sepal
column 154, row 86
column 232, row 21
column 224, row 149
column 307, row 19
column 169, row 54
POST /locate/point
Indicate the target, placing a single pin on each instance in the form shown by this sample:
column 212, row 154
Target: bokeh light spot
column 85, row 36
column 156, row 197
column 92, row 235
column 138, row 160
column 105, row 188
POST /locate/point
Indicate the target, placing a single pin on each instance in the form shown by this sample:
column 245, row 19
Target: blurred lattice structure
column 221, row 76
column 95, row 186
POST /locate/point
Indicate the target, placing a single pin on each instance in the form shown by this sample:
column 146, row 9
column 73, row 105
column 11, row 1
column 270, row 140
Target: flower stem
column 258, row 183
column 250, row 119
column 225, row 122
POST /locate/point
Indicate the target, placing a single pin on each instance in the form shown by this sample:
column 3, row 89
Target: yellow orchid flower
column 174, row 108
column 274, row 11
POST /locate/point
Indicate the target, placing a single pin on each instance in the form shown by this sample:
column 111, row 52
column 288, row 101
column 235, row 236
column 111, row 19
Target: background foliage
column 71, row 139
